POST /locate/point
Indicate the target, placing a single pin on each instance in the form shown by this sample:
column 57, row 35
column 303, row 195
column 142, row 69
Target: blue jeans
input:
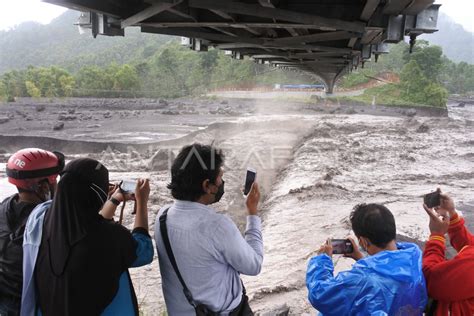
column 9, row 307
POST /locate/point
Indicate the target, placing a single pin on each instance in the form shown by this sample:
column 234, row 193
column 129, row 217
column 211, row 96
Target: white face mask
column 48, row 196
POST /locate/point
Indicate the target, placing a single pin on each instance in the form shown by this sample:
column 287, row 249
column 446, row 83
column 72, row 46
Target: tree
column 415, row 87
column 93, row 81
column 66, row 84
column 33, row 91
column 394, row 61
column 126, row 79
column 412, row 82
column 428, row 58
column 3, row 91
column 435, row 94
column 14, row 82
column 170, row 81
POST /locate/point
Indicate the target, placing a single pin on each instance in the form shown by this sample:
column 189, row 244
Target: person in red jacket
column 449, row 282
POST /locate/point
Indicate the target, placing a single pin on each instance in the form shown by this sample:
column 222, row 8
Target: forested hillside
column 457, row 43
column 60, row 43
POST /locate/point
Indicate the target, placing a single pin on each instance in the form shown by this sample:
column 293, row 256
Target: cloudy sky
column 13, row 12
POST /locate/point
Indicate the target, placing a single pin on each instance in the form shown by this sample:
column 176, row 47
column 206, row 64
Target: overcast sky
column 13, row 12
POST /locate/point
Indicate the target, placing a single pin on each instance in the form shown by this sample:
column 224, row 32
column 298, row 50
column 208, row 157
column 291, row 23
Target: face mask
column 220, row 192
column 364, row 248
column 48, row 196
column 44, row 196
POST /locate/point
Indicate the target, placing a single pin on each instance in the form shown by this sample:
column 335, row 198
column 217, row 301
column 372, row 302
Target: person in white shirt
column 209, row 250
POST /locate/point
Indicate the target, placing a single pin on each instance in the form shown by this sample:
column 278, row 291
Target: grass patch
column 388, row 94
column 356, row 78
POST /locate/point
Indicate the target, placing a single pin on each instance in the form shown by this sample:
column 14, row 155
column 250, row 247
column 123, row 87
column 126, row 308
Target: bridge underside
column 326, row 38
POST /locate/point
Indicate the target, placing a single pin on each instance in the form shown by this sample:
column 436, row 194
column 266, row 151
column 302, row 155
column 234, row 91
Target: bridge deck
column 327, row 38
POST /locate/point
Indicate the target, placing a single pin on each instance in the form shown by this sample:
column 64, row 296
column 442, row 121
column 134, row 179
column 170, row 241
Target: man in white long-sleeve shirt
column 209, row 249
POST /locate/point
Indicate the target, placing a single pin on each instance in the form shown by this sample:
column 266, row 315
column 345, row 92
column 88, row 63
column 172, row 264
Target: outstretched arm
column 244, row 255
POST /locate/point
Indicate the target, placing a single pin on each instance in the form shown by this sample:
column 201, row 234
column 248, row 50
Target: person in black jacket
column 34, row 172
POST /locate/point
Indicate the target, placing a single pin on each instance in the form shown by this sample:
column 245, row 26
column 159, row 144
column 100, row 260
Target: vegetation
column 426, row 76
column 149, row 65
column 61, row 44
column 420, row 76
column 388, row 94
column 36, row 82
column 172, row 71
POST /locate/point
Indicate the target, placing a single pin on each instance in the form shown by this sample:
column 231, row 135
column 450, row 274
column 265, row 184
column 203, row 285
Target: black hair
column 375, row 222
column 193, row 165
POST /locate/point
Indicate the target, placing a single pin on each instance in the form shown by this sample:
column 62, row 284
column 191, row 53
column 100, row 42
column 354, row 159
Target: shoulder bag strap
column 169, row 251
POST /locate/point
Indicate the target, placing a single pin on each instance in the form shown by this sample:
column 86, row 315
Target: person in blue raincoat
column 387, row 282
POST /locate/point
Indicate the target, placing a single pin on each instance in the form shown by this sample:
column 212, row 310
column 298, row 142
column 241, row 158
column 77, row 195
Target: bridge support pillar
column 329, row 82
column 330, row 86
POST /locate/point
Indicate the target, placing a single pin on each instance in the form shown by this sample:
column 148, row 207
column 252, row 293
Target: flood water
column 313, row 168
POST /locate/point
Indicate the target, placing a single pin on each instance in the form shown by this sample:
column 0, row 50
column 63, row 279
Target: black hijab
column 80, row 196
column 82, row 255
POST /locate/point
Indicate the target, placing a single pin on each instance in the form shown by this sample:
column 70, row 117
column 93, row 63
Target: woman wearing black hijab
column 83, row 260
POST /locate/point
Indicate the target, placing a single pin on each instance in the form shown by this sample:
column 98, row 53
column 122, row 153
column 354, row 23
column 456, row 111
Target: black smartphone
column 341, row 246
column 432, row 199
column 249, row 180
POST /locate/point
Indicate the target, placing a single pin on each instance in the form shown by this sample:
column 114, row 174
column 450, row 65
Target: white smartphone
column 128, row 186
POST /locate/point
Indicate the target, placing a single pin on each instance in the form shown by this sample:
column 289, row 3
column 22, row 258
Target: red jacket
column 451, row 282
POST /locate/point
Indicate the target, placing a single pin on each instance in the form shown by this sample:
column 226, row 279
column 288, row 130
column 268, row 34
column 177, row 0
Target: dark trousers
column 9, row 306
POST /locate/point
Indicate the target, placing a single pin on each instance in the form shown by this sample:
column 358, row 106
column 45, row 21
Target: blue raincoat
column 387, row 283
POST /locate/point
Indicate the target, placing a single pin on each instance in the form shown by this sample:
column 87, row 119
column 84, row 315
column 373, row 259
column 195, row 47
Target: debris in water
column 58, row 126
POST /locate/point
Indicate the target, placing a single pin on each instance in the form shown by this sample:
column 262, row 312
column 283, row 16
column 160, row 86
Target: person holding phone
column 76, row 257
column 450, row 282
column 202, row 252
column 387, row 282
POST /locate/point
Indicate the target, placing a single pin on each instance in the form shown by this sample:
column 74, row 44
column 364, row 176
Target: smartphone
column 249, row 180
column 432, row 199
column 341, row 246
column 128, row 186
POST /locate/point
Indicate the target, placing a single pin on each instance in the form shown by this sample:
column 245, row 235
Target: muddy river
column 314, row 163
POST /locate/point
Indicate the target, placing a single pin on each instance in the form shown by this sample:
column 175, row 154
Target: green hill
column 457, row 43
column 60, row 43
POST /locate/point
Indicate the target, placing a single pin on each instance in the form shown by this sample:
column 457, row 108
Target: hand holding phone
column 342, row 246
column 123, row 191
column 249, row 180
column 432, row 199
column 128, row 186
column 252, row 200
